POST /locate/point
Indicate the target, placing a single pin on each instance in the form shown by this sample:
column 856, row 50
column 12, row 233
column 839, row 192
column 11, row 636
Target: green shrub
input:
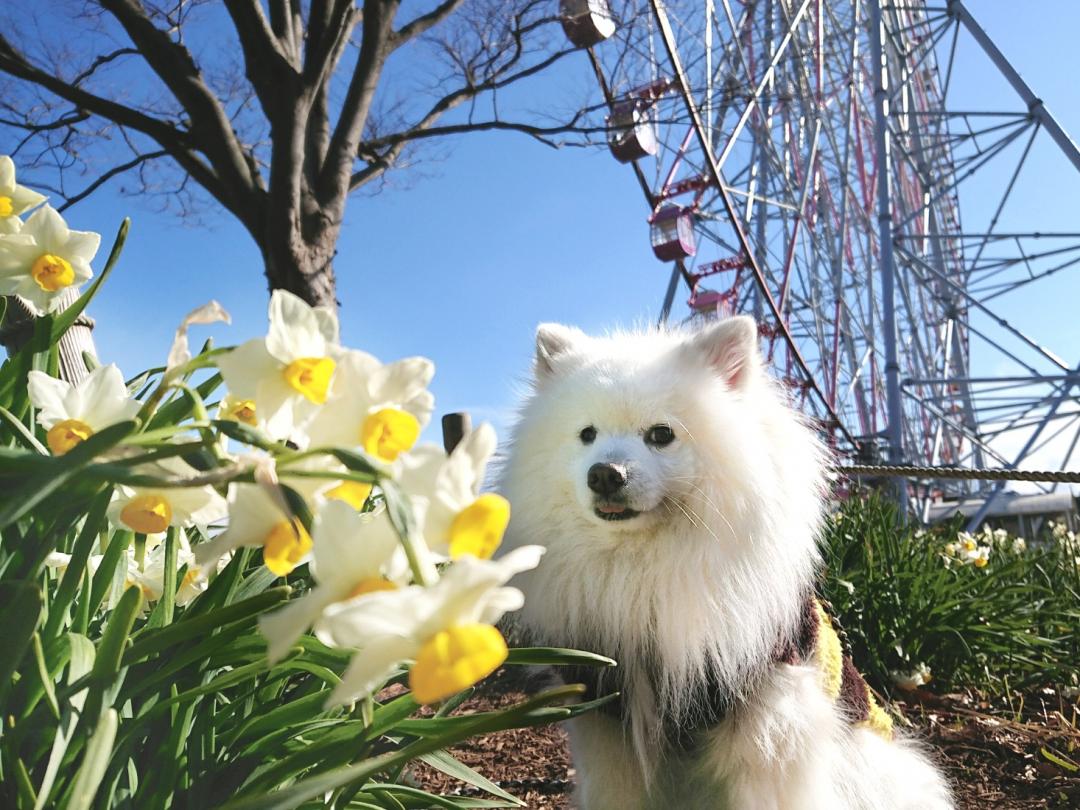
column 997, row 614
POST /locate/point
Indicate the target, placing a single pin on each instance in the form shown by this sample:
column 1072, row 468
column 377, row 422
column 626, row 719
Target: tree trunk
column 18, row 328
column 303, row 266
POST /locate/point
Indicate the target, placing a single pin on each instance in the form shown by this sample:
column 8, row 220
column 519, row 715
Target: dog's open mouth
column 614, row 511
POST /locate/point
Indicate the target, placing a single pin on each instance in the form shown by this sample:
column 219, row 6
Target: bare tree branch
column 174, row 65
column 109, row 175
column 286, row 21
column 394, row 145
column 267, row 67
column 331, row 24
column 169, row 136
column 104, row 59
column 334, row 176
column 424, row 22
column 36, row 127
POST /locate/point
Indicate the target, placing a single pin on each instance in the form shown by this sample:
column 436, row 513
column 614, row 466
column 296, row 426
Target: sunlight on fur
column 679, row 498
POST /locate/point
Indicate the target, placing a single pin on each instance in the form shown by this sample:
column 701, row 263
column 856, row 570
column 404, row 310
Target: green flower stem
column 140, row 550
column 198, row 409
column 423, row 569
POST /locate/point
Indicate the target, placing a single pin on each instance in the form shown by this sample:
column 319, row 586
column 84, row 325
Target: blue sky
column 461, row 261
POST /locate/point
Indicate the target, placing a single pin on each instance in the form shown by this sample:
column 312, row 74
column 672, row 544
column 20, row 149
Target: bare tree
column 276, row 110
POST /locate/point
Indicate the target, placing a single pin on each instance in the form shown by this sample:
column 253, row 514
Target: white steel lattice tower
column 825, row 166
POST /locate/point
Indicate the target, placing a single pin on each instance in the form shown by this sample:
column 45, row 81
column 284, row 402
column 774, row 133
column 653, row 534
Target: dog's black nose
column 606, row 479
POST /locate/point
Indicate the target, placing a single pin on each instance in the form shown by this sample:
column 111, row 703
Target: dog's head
column 678, row 494
column 630, row 430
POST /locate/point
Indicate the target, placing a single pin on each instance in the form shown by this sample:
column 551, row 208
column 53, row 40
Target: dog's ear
column 553, row 340
column 730, row 346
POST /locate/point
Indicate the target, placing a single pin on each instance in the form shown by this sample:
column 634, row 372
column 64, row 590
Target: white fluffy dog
column 679, row 498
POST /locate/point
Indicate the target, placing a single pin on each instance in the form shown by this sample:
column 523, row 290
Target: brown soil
column 996, row 755
column 1002, row 754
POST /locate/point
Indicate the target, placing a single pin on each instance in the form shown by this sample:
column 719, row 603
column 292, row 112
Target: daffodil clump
column 966, row 550
column 975, row 549
column 1066, row 540
column 983, row 609
column 300, row 388
column 211, row 570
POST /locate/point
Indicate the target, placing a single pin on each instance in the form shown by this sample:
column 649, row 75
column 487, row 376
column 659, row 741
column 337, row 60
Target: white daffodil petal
column 17, row 252
column 500, row 602
column 348, row 546
column 7, row 174
column 280, row 412
column 105, row 398
column 23, row 199
column 209, row 552
column 311, row 487
column 82, row 245
column 197, row 505
column 283, row 627
column 479, row 446
column 245, row 366
column 50, row 229
column 421, row 468
column 465, row 587
column 252, row 516
column 441, row 487
column 386, row 613
column 211, row 312
column 19, row 198
column 336, row 424
column 369, row 670
column 47, row 395
column 295, row 330
column 328, row 324
column 401, row 382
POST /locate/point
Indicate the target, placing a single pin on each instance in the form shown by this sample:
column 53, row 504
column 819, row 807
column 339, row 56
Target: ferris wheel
column 837, row 170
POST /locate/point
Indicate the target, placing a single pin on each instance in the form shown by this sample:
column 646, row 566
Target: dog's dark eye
column 659, row 435
column 587, row 435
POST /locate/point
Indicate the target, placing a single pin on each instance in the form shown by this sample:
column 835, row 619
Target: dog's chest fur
column 711, row 698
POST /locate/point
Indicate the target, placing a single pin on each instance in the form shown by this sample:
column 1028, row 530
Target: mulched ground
column 998, row 755
column 1018, row 755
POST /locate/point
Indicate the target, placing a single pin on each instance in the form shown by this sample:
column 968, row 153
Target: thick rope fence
column 960, row 473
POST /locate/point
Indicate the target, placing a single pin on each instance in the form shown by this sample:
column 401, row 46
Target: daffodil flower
column 379, row 408
column 73, row 413
column 909, row 681
column 45, row 258
column 353, row 555
column 455, row 519
column 286, row 375
column 236, row 409
column 151, row 577
column 256, row 520
column 14, row 199
column 148, row 510
column 967, row 541
column 446, row 629
column 59, row 562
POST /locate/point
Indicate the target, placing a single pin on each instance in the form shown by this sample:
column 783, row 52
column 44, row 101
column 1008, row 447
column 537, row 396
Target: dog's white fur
column 704, row 582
